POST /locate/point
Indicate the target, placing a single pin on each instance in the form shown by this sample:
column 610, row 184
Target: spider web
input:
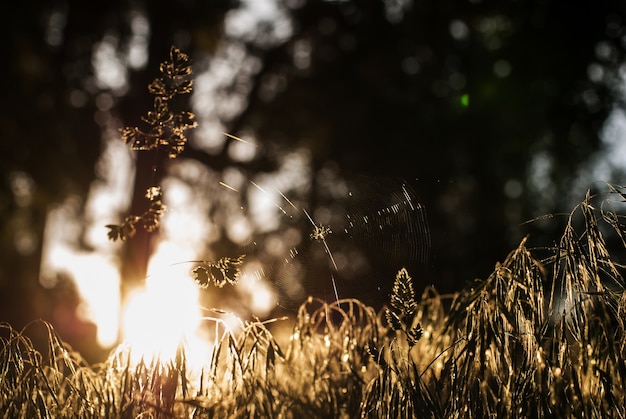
column 352, row 242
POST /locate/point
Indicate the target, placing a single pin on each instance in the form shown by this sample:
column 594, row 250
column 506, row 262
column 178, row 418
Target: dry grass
column 537, row 338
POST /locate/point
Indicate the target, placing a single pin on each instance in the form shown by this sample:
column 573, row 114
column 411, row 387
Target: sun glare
column 95, row 276
column 161, row 316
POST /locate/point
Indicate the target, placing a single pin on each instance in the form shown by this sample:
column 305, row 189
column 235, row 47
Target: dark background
column 457, row 98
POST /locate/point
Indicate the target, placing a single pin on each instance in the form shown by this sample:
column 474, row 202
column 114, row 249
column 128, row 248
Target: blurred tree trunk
column 150, row 165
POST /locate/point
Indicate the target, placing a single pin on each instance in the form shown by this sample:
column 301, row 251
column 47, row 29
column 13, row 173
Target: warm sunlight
column 94, row 274
column 97, row 282
column 163, row 314
column 333, row 208
column 81, row 251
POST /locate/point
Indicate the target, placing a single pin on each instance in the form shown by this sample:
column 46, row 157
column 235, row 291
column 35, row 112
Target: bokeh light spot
column 465, row 100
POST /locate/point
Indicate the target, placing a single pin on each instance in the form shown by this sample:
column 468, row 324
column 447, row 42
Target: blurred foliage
column 457, row 97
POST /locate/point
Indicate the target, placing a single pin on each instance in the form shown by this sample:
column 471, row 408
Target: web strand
column 319, row 233
column 377, row 226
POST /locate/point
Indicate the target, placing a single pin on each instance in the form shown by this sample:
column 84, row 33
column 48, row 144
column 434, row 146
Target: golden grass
column 536, row 338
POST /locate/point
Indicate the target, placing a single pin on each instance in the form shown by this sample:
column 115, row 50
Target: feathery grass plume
column 149, row 219
column 328, row 363
column 36, row 386
column 240, row 379
column 398, row 389
column 587, row 352
column 167, row 128
column 150, row 388
column 494, row 371
column 225, row 270
column 403, row 306
column 166, row 131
